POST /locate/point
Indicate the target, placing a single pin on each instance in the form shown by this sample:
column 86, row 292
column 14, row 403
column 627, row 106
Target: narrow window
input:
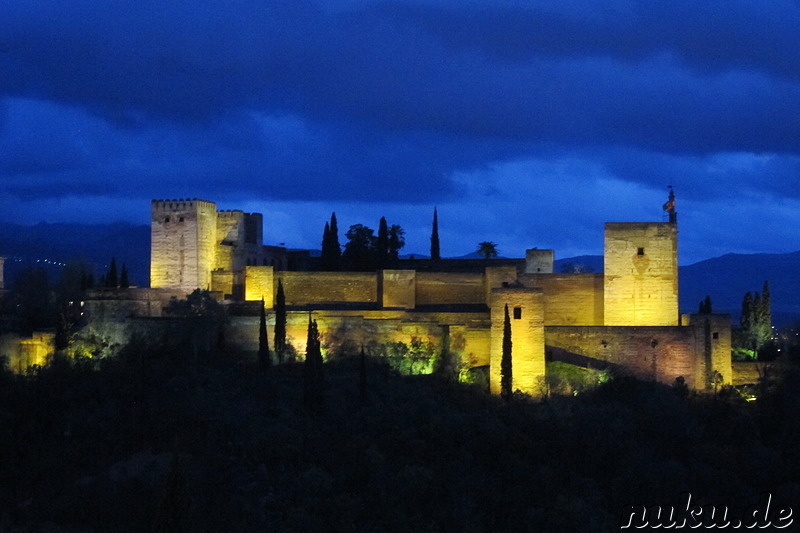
column 517, row 313
column 166, row 219
column 640, row 251
column 180, row 219
column 715, row 335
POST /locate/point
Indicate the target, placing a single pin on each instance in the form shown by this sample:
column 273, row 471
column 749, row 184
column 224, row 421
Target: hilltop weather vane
column 669, row 207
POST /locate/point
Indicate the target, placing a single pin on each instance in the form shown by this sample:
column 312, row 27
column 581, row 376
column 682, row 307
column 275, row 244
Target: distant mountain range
column 725, row 279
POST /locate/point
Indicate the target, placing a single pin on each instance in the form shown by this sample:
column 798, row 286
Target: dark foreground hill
column 146, row 441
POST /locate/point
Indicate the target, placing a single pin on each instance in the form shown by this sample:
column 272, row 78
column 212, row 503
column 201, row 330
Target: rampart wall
column 436, row 288
column 569, row 299
column 308, row 288
column 660, row 353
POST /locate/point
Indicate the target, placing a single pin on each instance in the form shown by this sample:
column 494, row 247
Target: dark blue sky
column 527, row 123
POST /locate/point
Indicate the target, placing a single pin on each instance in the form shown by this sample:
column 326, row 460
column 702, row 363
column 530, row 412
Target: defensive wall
column 626, row 317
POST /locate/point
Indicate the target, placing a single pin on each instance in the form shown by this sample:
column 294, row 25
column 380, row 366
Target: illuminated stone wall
column 183, row 243
column 305, row 288
column 525, row 308
column 498, row 277
column 650, row 353
column 641, row 274
column 712, row 343
column 539, row 261
column 222, row 281
column 436, row 288
column 569, row 299
column 398, row 288
column 259, row 284
column 24, row 352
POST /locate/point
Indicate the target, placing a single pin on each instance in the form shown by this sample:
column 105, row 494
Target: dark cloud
column 395, row 102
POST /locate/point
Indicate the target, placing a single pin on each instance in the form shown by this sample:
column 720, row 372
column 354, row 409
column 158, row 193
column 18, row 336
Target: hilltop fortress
column 626, row 317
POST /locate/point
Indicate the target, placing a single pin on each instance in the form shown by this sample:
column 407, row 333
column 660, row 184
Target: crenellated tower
column 183, row 245
column 641, row 272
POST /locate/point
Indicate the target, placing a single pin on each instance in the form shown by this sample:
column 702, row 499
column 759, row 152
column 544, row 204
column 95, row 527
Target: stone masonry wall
column 569, row 299
column 641, row 274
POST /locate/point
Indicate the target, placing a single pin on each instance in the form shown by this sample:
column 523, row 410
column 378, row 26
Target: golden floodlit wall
column 259, row 284
column 24, row 352
column 569, row 299
column 712, row 343
column 651, row 353
column 525, row 308
column 641, row 274
column 398, row 288
column 305, row 288
column 436, row 288
column 183, row 243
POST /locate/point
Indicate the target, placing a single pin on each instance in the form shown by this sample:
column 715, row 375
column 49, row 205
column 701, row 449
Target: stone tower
column 183, row 244
column 641, row 274
column 526, row 312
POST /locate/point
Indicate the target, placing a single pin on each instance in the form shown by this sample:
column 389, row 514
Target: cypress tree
column 335, row 247
column 124, row 283
column 313, row 379
column 766, row 313
column 111, row 277
column 506, row 377
column 382, row 244
column 280, row 322
column 435, row 237
column 363, row 392
column 707, row 302
column 746, row 318
column 263, row 342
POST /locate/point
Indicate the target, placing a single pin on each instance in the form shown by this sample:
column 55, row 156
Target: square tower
column 640, row 285
column 183, row 244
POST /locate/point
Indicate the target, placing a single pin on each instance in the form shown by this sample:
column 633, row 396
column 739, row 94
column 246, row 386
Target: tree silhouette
column 382, row 244
column 263, row 342
column 124, row 282
column 506, row 372
column 358, row 251
column 435, row 237
column 330, row 259
column 313, row 378
column 280, row 322
column 396, row 241
column 487, row 249
column 111, row 277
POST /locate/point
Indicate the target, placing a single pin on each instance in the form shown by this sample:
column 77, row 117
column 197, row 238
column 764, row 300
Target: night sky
column 527, row 123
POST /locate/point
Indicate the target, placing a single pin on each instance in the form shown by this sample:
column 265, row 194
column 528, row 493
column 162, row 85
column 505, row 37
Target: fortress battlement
column 179, row 204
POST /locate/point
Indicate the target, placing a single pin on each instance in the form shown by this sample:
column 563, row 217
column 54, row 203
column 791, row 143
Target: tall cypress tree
column 506, row 375
column 313, row 378
column 124, row 283
column 111, row 277
column 263, row 342
column 335, row 247
column 766, row 313
column 363, row 391
column 746, row 317
column 435, row 237
column 280, row 322
column 382, row 244
column 325, row 255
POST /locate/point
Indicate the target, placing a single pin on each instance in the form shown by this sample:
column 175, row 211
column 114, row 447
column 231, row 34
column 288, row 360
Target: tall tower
column 526, row 314
column 183, row 243
column 640, row 285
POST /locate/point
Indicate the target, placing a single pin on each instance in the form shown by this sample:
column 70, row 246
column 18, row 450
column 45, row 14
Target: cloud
column 491, row 110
